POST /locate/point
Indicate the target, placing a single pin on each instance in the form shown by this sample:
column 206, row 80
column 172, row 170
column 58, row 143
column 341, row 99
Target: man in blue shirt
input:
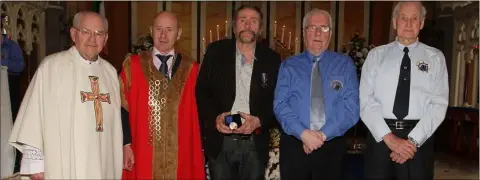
column 12, row 57
column 316, row 102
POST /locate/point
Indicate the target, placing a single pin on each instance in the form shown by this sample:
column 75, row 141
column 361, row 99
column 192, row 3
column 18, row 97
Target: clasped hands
column 402, row 150
column 312, row 140
column 251, row 123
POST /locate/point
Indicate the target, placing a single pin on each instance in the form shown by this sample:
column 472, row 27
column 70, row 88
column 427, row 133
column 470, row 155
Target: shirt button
column 404, row 67
column 404, row 79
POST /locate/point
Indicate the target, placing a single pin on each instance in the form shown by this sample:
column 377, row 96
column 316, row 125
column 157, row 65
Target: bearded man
column 238, row 76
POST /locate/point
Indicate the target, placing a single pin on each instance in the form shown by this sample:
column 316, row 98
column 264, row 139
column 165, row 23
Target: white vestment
column 7, row 151
column 54, row 120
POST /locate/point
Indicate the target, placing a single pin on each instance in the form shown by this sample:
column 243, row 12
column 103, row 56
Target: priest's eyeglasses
column 313, row 28
column 90, row 33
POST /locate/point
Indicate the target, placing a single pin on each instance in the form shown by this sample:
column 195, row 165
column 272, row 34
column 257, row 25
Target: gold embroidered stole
column 164, row 98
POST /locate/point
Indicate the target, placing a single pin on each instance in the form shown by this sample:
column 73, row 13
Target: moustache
column 249, row 31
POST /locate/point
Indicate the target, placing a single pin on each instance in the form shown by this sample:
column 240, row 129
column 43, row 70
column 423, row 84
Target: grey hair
column 317, row 11
column 397, row 7
column 79, row 16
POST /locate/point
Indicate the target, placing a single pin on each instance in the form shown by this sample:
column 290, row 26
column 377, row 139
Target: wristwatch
column 413, row 142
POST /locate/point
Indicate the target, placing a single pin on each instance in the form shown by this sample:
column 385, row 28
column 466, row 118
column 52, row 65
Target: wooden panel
column 215, row 15
column 146, row 12
column 381, row 20
column 183, row 10
column 353, row 20
column 118, row 43
column 323, row 5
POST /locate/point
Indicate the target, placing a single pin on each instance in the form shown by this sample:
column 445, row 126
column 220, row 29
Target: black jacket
column 216, row 87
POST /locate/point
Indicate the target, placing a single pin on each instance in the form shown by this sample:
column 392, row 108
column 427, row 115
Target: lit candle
column 289, row 39
column 218, row 32
column 203, row 45
column 226, row 29
column 210, row 36
column 296, row 45
column 275, row 30
column 283, row 32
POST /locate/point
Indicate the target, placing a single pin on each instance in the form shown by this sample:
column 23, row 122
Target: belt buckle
column 398, row 125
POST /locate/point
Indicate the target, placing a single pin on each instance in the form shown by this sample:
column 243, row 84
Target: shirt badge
column 337, row 85
column 423, row 66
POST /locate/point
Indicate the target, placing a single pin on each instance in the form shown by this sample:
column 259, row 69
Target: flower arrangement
column 273, row 165
column 357, row 50
column 144, row 42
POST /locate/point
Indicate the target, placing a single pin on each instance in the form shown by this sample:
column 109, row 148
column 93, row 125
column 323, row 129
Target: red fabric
column 190, row 156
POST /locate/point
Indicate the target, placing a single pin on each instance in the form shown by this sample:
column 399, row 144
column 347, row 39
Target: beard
column 247, row 40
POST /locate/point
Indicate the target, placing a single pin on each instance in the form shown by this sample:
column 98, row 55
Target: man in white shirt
column 69, row 124
column 403, row 99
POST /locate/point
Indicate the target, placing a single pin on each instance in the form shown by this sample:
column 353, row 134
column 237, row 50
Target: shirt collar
column 310, row 56
column 155, row 52
column 401, row 46
column 238, row 54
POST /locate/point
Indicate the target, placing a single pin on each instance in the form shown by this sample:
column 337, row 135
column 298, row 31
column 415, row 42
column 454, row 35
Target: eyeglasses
column 313, row 28
column 88, row 32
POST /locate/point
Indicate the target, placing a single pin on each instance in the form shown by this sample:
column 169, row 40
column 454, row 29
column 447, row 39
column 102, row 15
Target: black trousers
column 237, row 160
column 378, row 164
column 323, row 163
column 15, row 99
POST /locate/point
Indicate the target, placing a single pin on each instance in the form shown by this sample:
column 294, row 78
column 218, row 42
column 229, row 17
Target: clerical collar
column 401, row 46
column 85, row 60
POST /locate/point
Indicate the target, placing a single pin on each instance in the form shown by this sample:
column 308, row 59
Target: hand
column 307, row 150
column 220, row 123
column 397, row 158
column 401, row 146
column 37, row 176
column 128, row 158
column 251, row 123
column 312, row 139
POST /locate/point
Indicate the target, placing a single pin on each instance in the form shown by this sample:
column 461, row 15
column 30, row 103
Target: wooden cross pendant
column 97, row 99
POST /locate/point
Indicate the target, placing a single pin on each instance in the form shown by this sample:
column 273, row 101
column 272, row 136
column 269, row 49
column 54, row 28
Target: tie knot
column 163, row 58
column 405, row 49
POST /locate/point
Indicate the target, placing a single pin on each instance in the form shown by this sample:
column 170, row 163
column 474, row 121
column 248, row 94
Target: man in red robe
column 158, row 91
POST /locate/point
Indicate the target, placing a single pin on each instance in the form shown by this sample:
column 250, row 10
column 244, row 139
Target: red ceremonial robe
column 177, row 153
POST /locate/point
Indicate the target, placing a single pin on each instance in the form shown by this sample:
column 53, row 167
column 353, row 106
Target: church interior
column 42, row 28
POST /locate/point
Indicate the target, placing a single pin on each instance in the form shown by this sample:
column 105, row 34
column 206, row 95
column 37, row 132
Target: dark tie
column 164, row 67
column 317, row 105
column 402, row 97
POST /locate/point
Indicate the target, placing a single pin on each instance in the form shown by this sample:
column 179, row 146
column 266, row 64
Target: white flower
column 365, row 51
column 359, row 54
